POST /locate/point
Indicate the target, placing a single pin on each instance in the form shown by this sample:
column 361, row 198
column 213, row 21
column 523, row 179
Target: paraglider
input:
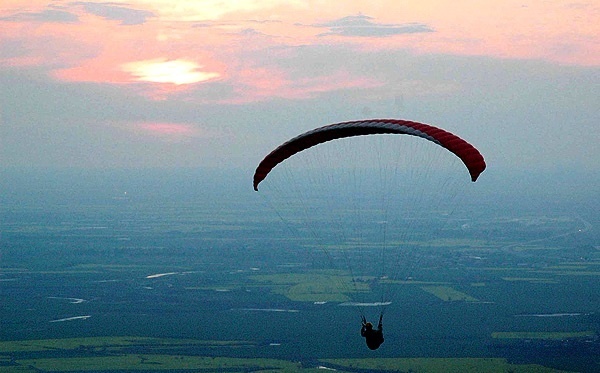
column 470, row 156
column 357, row 243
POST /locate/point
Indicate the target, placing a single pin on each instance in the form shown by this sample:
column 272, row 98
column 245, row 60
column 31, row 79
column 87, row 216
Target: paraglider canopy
column 470, row 156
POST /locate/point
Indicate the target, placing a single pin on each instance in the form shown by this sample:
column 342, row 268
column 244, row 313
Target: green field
column 155, row 355
column 449, row 294
column 152, row 362
column 446, row 365
column 318, row 286
column 544, row 335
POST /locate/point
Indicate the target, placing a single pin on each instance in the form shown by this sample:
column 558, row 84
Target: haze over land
column 169, row 255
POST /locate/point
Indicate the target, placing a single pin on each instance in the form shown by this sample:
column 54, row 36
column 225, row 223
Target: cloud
column 127, row 16
column 46, row 122
column 166, row 128
column 198, row 11
column 46, row 50
column 362, row 26
column 172, row 132
column 45, row 16
column 12, row 48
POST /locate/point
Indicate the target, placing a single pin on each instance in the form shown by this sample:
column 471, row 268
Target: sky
column 173, row 83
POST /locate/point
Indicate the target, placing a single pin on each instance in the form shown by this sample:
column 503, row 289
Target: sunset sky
column 167, row 83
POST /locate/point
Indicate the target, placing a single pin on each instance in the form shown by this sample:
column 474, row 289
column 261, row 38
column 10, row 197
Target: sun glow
column 177, row 72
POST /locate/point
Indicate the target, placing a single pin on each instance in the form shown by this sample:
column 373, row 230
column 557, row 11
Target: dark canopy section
column 470, row 156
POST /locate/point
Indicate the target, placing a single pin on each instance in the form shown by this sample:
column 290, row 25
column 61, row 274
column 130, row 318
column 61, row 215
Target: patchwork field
column 195, row 285
column 116, row 354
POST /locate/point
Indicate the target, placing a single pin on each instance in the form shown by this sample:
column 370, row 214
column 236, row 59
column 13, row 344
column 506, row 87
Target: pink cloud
column 167, row 129
column 173, row 132
column 230, row 43
column 168, row 132
column 259, row 84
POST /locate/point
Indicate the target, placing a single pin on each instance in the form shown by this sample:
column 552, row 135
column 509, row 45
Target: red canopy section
column 469, row 155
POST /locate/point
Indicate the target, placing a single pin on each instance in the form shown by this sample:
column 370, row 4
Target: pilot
column 373, row 337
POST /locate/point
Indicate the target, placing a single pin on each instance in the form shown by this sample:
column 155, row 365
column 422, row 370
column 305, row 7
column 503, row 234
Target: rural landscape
column 93, row 279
